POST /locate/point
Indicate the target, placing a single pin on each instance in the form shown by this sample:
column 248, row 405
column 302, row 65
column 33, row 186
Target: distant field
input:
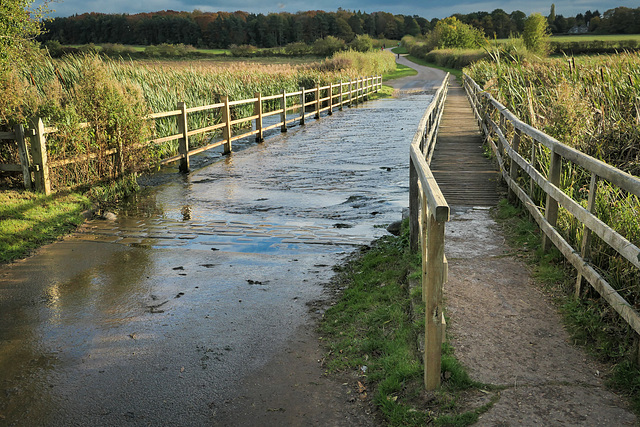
column 594, row 37
column 142, row 48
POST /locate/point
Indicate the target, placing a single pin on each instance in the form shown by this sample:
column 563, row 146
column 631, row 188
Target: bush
column 245, row 50
column 451, row 33
column 297, row 49
column 328, row 46
column 536, row 35
column 362, row 43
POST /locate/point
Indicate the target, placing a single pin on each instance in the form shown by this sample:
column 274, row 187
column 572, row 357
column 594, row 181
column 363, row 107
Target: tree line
column 224, row 29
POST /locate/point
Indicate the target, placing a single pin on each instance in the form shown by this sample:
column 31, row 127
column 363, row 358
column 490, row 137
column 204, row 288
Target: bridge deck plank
column 465, row 176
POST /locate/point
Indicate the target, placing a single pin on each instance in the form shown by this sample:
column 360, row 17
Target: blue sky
column 425, row 8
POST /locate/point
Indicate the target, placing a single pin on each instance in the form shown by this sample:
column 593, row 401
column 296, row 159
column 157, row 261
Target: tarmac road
column 192, row 307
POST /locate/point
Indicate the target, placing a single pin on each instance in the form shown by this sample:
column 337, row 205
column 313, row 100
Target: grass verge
column 457, row 73
column 591, row 323
column 400, row 71
column 29, row 220
column 373, row 330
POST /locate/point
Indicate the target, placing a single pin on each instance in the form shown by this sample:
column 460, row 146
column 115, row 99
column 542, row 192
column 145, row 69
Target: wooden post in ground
column 350, row 93
column 586, row 236
column 257, row 111
column 432, row 288
column 24, row 156
column 39, row 155
column 183, row 142
column 302, row 109
column 318, row 101
column 513, row 168
column 226, row 130
column 283, row 114
column 551, row 207
column 414, row 208
column 341, row 99
column 330, row 99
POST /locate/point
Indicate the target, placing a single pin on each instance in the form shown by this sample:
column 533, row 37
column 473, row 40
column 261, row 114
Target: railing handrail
column 428, row 213
column 556, row 197
column 358, row 90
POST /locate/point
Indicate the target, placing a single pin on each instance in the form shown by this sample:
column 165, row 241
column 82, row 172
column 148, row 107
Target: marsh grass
column 115, row 96
column 590, row 104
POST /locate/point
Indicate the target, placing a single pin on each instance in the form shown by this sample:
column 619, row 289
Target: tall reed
column 593, row 105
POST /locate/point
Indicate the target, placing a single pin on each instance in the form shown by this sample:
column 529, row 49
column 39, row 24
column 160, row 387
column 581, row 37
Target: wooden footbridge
column 449, row 168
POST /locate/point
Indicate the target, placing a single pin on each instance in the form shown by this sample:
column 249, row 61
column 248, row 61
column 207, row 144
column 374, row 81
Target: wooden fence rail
column 486, row 107
column 428, row 212
column 319, row 99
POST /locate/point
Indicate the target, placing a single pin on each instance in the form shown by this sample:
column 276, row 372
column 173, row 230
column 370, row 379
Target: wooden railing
column 486, row 107
column 307, row 102
column 428, row 212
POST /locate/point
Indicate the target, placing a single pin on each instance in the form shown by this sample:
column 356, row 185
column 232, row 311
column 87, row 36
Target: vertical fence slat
column 341, row 99
column 513, row 168
column 330, row 98
column 39, row 155
column 226, row 118
column 433, row 302
column 586, row 237
column 302, row 108
column 414, row 228
column 257, row 111
column 183, row 142
column 551, row 207
column 24, row 156
column 283, row 114
column 318, row 101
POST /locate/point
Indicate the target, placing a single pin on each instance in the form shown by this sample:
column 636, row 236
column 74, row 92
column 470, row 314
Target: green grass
column 453, row 71
column 594, row 37
column 400, row 71
column 400, row 49
column 373, row 328
column 590, row 322
column 29, row 220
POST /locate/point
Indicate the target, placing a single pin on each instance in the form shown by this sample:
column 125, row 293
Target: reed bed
column 116, row 96
column 591, row 104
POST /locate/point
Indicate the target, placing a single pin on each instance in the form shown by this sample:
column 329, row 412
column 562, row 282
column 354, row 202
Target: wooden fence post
column 350, row 93
column 302, row 109
column 120, row 156
column 39, row 155
column 432, row 289
column 226, row 131
column 551, row 207
column 318, row 101
column 414, row 207
column 257, row 111
column 341, row 100
column 183, row 142
column 24, row 156
column 330, row 99
column 283, row 114
column 513, row 168
column 586, row 237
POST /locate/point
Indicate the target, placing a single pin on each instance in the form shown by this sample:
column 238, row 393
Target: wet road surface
column 159, row 317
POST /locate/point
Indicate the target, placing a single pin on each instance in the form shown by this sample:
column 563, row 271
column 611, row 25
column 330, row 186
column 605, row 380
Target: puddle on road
column 219, row 263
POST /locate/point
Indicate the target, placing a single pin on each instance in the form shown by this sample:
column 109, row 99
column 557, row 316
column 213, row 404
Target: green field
column 594, row 37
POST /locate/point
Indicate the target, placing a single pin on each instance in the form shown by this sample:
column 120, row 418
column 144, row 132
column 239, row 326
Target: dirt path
column 508, row 333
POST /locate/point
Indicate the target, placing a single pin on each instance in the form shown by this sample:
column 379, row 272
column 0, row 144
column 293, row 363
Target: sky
column 425, row 8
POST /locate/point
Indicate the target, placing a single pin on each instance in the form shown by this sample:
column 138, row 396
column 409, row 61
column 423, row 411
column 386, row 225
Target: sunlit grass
column 29, row 220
